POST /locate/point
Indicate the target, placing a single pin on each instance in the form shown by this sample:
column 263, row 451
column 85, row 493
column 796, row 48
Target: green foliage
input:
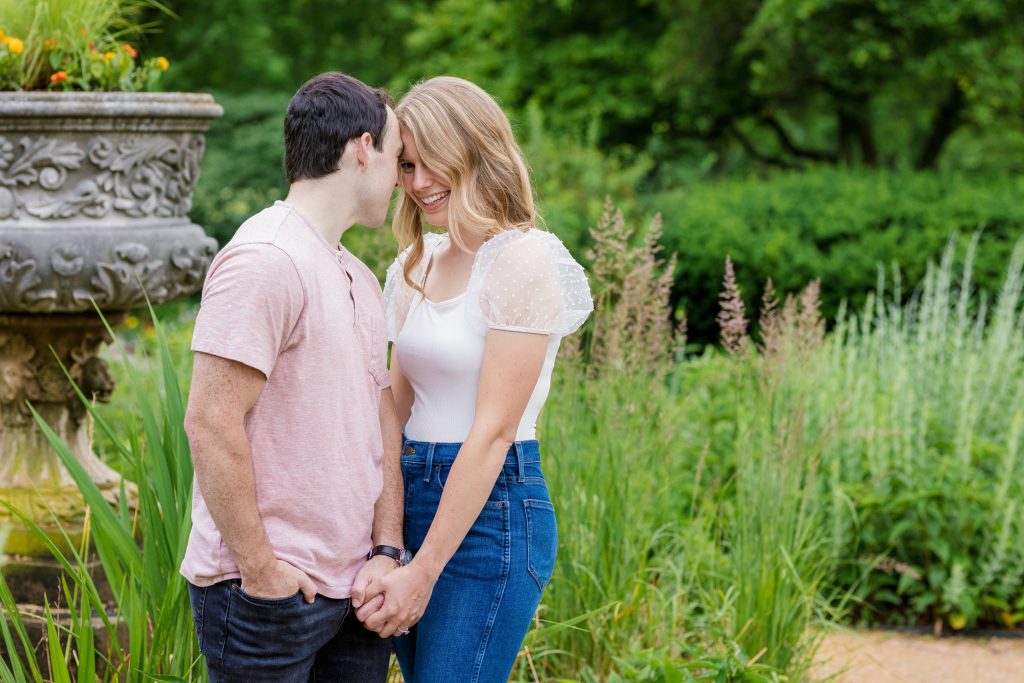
column 930, row 454
column 571, row 178
column 836, row 225
column 787, row 83
column 886, row 81
column 243, row 167
column 241, row 46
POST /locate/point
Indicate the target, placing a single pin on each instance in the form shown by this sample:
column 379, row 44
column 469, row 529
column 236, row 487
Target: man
column 290, row 417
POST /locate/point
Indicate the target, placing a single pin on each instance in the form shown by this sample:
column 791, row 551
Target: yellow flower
column 163, row 63
column 108, row 56
column 15, row 45
column 2, row 34
column 131, row 322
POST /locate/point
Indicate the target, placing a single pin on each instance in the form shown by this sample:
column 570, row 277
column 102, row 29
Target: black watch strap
column 396, row 554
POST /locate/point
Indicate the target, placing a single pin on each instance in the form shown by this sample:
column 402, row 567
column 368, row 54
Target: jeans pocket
column 266, row 602
column 267, row 633
column 541, row 540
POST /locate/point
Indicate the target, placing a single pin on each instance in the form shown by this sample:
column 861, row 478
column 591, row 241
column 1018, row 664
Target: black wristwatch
column 399, row 555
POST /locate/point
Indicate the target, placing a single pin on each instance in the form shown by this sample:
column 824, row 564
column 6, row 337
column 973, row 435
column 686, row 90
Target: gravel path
column 885, row 657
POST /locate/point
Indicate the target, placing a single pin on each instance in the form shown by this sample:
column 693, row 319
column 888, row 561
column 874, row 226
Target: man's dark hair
column 327, row 112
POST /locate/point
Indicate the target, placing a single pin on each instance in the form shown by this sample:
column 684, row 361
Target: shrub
column 838, row 226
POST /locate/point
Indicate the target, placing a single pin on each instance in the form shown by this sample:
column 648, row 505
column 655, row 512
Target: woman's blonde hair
column 464, row 137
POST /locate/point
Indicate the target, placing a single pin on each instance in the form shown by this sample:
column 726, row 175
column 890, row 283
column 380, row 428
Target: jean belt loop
column 520, row 467
column 429, row 462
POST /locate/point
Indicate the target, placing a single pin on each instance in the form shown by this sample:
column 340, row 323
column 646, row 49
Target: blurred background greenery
column 806, row 138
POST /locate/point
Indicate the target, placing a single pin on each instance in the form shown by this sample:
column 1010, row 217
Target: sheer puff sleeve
column 398, row 295
column 527, row 282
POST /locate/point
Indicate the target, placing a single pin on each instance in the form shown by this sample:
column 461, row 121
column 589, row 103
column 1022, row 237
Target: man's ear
column 363, row 144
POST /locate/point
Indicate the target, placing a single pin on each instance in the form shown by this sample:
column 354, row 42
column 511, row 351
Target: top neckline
column 426, row 271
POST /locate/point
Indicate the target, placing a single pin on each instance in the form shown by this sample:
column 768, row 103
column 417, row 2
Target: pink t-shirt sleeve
column 251, row 303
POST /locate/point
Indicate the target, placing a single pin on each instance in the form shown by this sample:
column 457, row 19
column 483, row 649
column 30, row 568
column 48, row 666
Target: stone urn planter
column 95, row 190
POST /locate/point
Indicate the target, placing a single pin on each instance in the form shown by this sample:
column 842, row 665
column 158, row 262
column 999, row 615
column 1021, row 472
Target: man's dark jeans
column 286, row 640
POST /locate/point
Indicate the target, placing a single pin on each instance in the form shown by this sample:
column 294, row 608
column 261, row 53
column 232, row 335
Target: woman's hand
column 406, row 592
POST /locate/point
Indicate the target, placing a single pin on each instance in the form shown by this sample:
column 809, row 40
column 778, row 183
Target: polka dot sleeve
column 527, row 282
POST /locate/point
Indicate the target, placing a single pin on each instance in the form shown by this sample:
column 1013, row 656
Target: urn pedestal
column 95, row 190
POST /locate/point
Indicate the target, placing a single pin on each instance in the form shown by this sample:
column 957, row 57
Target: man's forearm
column 388, row 513
column 223, row 464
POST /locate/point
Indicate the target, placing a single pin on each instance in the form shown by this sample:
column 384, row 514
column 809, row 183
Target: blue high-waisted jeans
column 485, row 599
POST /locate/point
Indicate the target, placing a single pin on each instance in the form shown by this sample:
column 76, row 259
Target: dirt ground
column 886, row 657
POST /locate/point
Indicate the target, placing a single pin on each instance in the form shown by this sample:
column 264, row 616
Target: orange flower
column 163, row 63
column 130, row 50
column 50, row 43
column 14, row 45
column 58, row 77
column 83, row 31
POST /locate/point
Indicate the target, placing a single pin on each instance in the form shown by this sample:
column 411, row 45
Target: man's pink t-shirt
column 310, row 317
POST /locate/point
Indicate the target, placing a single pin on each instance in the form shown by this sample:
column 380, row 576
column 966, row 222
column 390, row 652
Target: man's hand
column 406, row 592
column 374, row 568
column 278, row 580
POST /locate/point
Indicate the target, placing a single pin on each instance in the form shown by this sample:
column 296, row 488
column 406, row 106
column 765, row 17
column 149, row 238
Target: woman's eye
column 405, row 165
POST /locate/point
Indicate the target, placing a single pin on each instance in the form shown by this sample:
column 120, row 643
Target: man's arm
column 388, row 513
column 222, row 393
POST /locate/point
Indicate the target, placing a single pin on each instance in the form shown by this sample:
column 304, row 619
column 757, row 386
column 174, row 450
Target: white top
column 520, row 281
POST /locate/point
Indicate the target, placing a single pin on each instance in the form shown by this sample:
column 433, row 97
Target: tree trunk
column 947, row 120
column 847, row 135
column 866, row 137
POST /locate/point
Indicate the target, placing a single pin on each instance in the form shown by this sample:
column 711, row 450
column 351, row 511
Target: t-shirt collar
column 340, row 252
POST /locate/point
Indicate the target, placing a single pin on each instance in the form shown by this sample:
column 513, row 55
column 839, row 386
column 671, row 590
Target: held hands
column 277, row 580
column 373, row 569
column 404, row 592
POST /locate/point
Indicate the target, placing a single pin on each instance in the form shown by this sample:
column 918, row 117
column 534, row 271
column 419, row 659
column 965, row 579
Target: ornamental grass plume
column 632, row 286
column 797, row 328
column 769, row 321
column 732, row 319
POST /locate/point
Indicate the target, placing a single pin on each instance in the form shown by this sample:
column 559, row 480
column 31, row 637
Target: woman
column 476, row 316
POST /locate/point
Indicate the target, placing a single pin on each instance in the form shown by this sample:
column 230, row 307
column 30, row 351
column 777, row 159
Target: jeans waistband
column 432, row 453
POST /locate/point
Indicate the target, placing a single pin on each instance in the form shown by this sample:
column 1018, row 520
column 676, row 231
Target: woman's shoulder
column 533, row 246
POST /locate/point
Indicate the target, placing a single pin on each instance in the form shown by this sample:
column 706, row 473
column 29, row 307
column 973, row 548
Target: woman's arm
column 512, row 364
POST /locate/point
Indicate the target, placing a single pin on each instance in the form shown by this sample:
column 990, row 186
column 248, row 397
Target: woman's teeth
column 434, row 198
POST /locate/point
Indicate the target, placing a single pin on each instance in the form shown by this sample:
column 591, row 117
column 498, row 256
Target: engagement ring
column 404, row 631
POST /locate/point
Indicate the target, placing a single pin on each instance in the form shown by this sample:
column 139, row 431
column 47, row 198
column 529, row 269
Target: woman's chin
column 438, row 221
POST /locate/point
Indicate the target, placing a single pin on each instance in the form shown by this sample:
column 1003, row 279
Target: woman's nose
column 422, row 179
